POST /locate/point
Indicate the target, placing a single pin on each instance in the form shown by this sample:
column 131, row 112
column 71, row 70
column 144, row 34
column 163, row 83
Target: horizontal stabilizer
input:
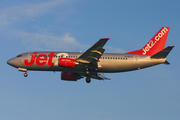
column 166, row 62
column 163, row 53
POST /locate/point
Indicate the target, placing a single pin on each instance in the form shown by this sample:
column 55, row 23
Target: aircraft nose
column 11, row 62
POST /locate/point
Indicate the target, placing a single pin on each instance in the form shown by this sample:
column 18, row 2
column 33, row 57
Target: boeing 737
column 76, row 65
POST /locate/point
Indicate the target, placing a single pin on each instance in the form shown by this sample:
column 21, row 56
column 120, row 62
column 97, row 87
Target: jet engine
column 68, row 76
column 66, row 62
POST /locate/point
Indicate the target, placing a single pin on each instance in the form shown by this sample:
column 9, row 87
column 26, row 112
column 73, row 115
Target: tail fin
column 155, row 45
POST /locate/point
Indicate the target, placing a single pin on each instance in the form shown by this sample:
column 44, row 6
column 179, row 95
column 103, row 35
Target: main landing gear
column 88, row 80
column 25, row 74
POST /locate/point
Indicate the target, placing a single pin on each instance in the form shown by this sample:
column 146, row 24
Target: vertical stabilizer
column 156, row 44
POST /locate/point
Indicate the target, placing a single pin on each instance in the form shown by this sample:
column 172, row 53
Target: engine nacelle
column 68, row 76
column 66, row 62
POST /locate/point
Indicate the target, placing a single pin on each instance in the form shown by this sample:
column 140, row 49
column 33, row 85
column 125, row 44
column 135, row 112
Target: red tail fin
column 155, row 45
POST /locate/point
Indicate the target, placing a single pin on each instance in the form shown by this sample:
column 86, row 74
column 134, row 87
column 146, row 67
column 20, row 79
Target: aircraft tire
column 25, row 74
column 88, row 80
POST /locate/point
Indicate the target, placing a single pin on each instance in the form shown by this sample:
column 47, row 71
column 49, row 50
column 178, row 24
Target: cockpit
column 19, row 56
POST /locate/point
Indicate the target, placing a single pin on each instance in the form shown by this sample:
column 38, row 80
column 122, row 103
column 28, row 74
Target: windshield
column 19, row 55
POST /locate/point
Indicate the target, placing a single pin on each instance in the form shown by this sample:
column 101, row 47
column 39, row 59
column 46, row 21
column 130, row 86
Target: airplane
column 76, row 65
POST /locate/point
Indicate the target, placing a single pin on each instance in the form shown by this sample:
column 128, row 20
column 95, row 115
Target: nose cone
column 11, row 62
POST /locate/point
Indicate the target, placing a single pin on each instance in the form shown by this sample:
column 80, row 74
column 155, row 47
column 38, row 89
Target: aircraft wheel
column 88, row 80
column 87, row 72
column 25, row 74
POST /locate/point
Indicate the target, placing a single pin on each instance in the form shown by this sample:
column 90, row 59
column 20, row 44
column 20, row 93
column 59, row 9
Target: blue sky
column 75, row 25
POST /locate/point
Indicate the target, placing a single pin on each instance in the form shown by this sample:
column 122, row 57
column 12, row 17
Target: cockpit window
column 19, row 55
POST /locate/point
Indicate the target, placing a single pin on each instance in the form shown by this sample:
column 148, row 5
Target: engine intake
column 68, row 76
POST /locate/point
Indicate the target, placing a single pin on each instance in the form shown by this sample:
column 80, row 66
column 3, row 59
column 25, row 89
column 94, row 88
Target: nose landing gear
column 88, row 80
column 23, row 70
column 25, row 74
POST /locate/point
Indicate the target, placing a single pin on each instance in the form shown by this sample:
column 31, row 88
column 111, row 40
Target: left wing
column 93, row 54
column 95, row 75
column 99, row 76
